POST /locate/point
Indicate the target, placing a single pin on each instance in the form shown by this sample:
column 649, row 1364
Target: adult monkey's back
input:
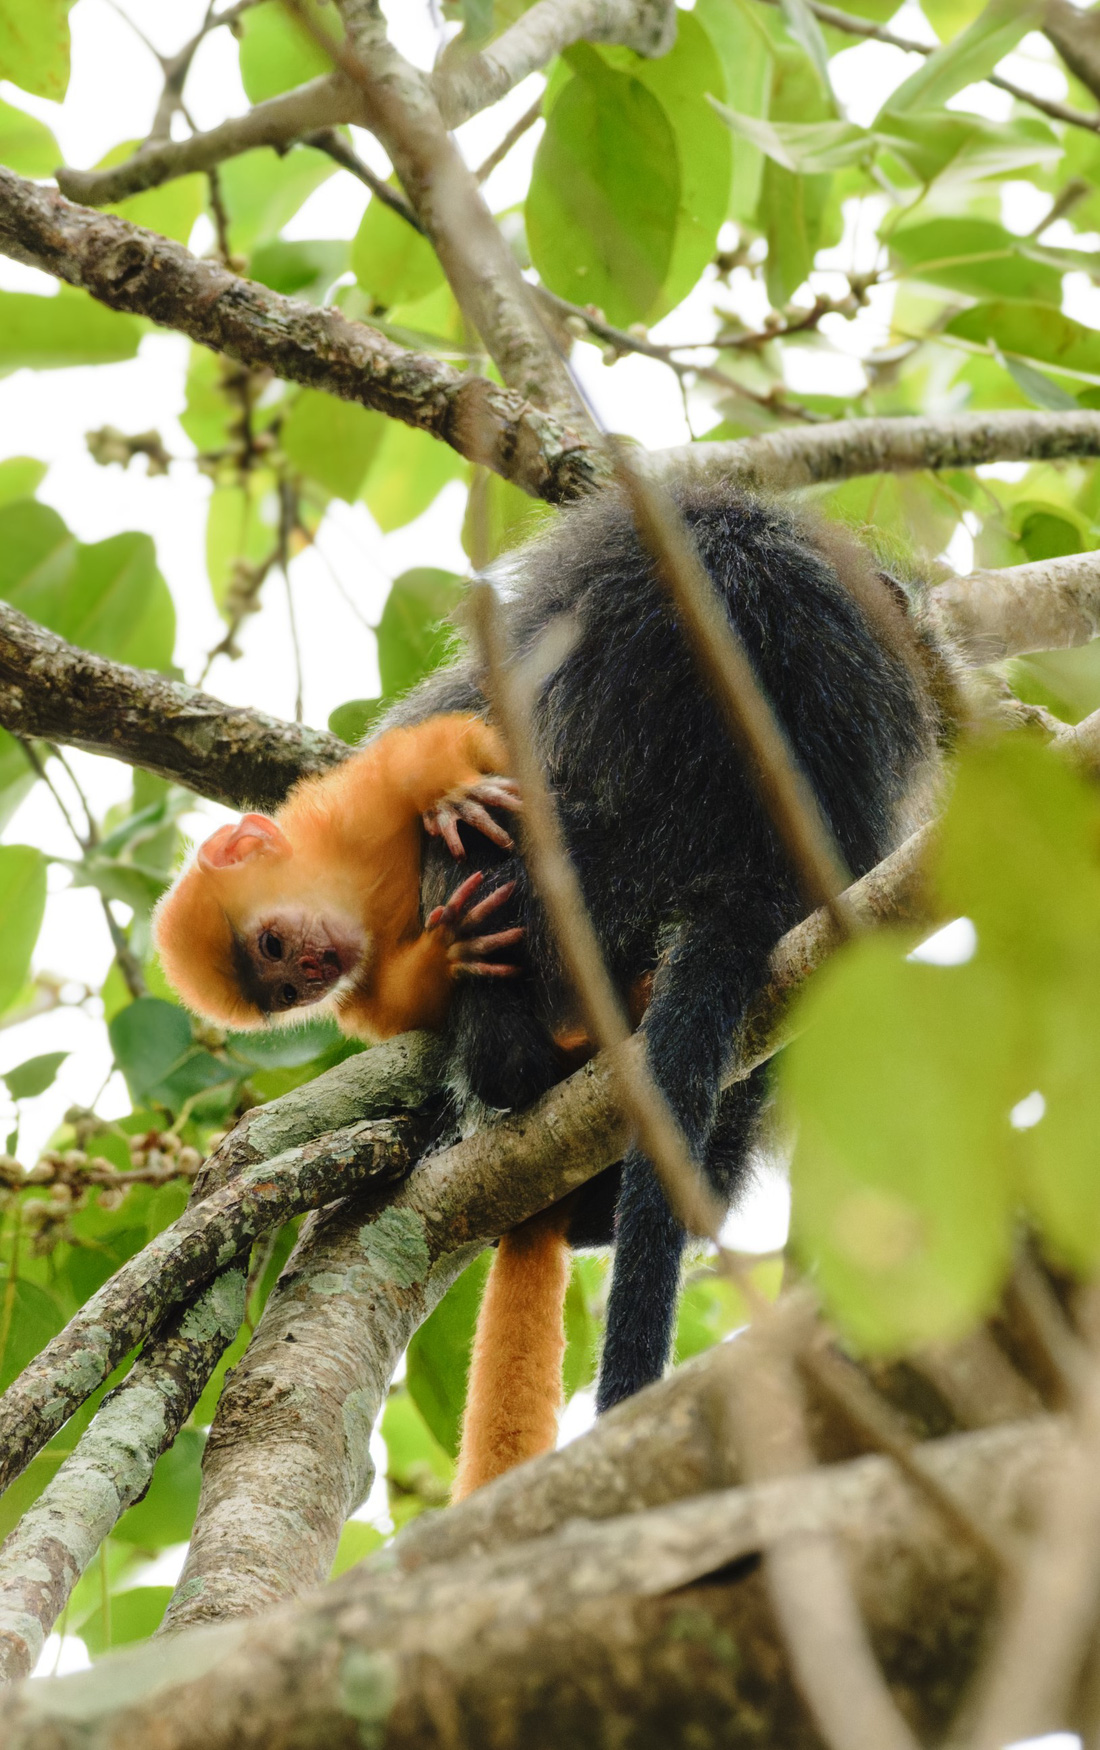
column 686, row 881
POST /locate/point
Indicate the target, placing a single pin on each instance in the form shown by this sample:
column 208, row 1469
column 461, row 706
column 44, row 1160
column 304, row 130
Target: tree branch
column 480, row 267
column 1050, row 605
column 52, row 690
column 129, row 268
column 279, row 121
column 847, row 448
column 112, row 1464
column 605, row 1626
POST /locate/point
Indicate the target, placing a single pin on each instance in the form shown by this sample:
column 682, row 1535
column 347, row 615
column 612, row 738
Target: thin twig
column 1060, row 112
column 329, row 141
column 515, row 133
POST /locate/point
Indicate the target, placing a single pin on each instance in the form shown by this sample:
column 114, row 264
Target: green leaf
column 805, row 148
column 20, row 477
column 357, row 1541
column 108, row 597
column 975, row 256
column 409, row 471
column 1033, row 331
column 582, row 1326
column 970, row 56
column 153, row 1048
column 34, row 45
column 69, row 329
column 36, row 1317
column 26, row 144
column 604, row 198
column 17, row 777
column 682, row 82
column 393, row 263
column 1041, row 390
column 744, row 48
column 418, row 1467
column 499, row 516
column 171, row 209
column 262, row 191
column 35, row 1075
column 438, row 1357
column 412, row 636
column 135, row 1614
column 277, row 52
column 1019, row 847
column 806, row 31
column 167, row 1511
column 300, row 269
column 951, row 147
column 22, row 904
column 331, row 441
column 351, row 721
column 901, row 1082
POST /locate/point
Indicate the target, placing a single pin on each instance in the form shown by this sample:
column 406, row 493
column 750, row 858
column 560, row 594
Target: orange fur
column 355, row 833
column 514, row 1392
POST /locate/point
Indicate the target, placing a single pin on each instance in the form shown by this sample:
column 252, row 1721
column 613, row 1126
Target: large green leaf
column 970, row 56
column 69, row 329
column 393, row 263
column 901, row 1081
column 604, row 199
column 17, row 777
column 262, row 191
column 20, row 477
column 438, row 1358
column 331, row 441
column 26, row 144
column 744, row 49
column 1032, row 330
column 29, row 1079
column 154, row 1050
column 108, row 597
column 166, row 1512
column 34, row 45
column 806, row 148
column 171, row 209
column 950, row 146
column 683, row 82
column 975, row 256
column 135, row 1614
column 36, row 1317
column 793, row 208
column 306, row 269
column 412, row 638
column 407, row 473
column 22, row 904
column 278, row 52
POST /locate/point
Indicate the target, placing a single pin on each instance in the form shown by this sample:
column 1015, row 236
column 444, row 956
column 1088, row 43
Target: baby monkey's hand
column 460, row 922
column 472, row 805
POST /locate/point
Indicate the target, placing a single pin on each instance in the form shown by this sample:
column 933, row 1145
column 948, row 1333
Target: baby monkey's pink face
column 289, row 957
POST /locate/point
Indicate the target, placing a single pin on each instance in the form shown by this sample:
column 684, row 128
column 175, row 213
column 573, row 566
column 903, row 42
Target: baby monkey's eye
column 290, row 995
column 271, row 945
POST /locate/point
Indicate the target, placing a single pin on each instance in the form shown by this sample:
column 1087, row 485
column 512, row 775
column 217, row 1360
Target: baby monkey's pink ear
column 254, row 835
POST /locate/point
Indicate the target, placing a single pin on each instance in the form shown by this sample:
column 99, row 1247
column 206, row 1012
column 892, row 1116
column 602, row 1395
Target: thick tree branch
column 51, row 690
column 1075, row 33
column 465, row 85
column 444, row 194
column 604, row 1630
column 845, row 449
column 1050, row 605
column 129, row 268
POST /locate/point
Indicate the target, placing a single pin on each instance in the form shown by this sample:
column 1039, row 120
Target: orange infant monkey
column 321, row 903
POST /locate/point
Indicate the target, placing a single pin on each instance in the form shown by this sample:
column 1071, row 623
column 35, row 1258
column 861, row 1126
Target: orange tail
column 515, row 1375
